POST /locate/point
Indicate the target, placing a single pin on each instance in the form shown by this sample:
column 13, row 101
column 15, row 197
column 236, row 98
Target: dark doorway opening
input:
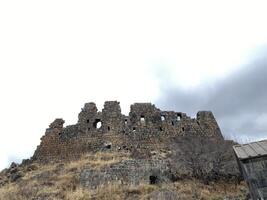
column 153, row 180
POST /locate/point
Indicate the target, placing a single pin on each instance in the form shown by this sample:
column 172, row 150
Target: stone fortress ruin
column 147, row 134
column 147, row 154
column 144, row 130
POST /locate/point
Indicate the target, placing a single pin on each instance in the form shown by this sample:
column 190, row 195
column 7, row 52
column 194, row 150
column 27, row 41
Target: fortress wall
column 208, row 124
column 132, row 172
column 146, row 129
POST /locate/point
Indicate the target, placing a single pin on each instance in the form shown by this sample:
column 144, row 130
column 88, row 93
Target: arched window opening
column 97, row 124
column 162, row 118
column 179, row 117
column 142, row 119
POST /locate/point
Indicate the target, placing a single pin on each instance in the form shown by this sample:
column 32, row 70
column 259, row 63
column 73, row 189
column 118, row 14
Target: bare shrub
column 208, row 159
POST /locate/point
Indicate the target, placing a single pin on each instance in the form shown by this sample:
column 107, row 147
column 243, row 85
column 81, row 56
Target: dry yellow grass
column 63, row 190
column 186, row 190
column 61, row 181
column 99, row 160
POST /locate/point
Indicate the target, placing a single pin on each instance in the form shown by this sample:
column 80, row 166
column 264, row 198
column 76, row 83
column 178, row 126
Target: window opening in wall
column 97, row 124
column 125, row 121
column 160, row 128
column 162, row 118
column 178, row 118
column 153, row 180
column 88, row 129
column 87, row 121
column 182, row 128
column 134, row 129
column 108, row 128
column 142, row 119
column 173, row 123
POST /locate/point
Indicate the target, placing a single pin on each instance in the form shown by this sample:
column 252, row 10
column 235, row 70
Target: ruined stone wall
column 131, row 172
column 147, row 128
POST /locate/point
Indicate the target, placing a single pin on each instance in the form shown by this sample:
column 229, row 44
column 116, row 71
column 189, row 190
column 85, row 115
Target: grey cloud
column 238, row 101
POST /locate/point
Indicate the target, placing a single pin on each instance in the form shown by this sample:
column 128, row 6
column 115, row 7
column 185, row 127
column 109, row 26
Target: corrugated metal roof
column 251, row 150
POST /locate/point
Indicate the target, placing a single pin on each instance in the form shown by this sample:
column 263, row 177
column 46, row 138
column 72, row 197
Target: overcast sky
column 181, row 55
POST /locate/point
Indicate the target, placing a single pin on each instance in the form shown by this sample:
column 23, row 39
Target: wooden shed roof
column 251, row 150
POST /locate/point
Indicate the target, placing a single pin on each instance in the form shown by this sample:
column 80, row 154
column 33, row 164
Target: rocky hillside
column 149, row 154
column 197, row 169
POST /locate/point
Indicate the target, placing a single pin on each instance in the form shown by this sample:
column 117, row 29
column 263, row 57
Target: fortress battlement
column 143, row 130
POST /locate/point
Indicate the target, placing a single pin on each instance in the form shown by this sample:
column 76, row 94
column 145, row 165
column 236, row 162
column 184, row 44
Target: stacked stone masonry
column 132, row 172
column 144, row 130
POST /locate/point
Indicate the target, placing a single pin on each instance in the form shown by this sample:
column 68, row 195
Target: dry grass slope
column 60, row 181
